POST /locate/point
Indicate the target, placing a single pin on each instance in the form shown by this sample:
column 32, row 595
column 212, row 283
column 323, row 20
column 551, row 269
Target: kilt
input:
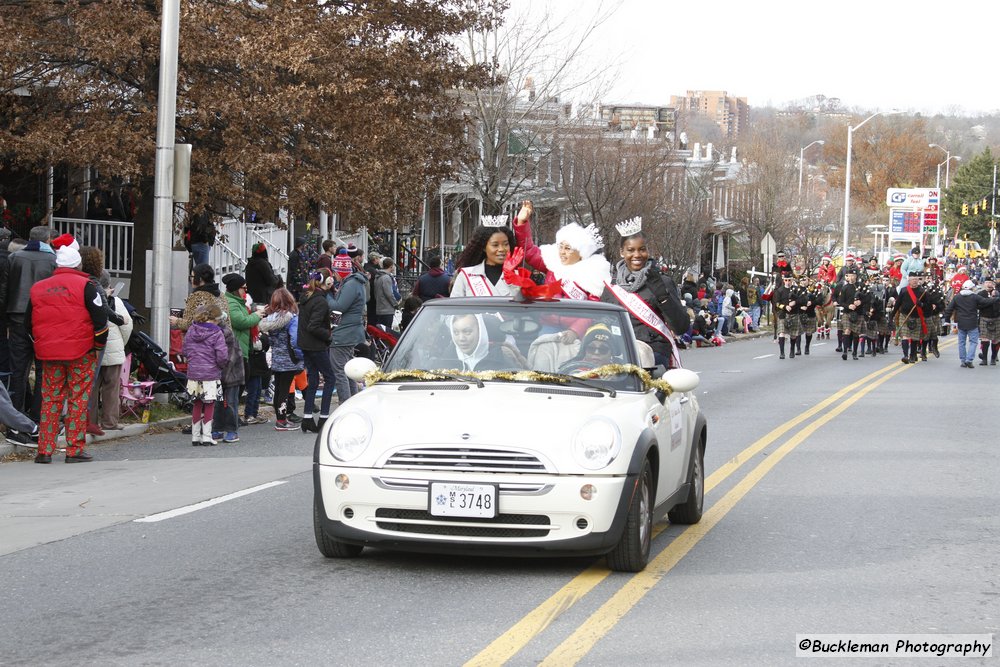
column 989, row 328
column 871, row 328
column 884, row 326
column 791, row 326
column 933, row 326
column 854, row 321
column 808, row 325
column 911, row 329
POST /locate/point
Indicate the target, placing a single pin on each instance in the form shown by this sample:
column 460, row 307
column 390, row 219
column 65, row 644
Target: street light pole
column 947, row 166
column 801, row 157
column 163, row 202
column 847, row 174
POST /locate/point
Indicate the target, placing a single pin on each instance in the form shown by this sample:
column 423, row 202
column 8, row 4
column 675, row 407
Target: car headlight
column 349, row 436
column 596, row 444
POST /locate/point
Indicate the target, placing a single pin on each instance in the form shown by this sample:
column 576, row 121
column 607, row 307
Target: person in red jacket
column 68, row 322
column 827, row 272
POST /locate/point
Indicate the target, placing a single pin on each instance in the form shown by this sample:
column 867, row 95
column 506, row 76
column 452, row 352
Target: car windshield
column 518, row 337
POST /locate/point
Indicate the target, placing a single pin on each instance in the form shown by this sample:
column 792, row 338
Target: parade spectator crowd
column 256, row 338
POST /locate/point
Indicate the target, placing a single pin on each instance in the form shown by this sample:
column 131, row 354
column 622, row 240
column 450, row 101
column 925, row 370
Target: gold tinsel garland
column 607, row 370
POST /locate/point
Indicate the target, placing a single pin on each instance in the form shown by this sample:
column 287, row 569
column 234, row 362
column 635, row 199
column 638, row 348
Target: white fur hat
column 584, row 241
column 68, row 257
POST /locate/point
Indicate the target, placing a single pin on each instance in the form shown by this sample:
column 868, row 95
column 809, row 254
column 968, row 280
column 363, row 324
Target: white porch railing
column 111, row 236
column 235, row 240
column 228, row 255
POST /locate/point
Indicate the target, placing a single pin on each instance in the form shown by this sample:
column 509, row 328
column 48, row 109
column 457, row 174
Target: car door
column 666, row 417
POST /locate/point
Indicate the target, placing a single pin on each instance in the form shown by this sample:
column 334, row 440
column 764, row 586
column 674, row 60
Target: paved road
column 855, row 496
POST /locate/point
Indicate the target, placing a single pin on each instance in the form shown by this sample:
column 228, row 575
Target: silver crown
column 595, row 233
column 493, row 220
column 630, row 227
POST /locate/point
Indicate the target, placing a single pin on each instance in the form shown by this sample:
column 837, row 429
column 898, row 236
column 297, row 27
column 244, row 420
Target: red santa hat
column 962, row 268
column 64, row 240
column 850, row 257
column 826, row 256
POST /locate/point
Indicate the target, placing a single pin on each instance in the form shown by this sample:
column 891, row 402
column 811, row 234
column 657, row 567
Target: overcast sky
column 872, row 54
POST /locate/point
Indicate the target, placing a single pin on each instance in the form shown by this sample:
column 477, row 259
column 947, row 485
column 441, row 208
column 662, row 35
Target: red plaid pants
column 69, row 382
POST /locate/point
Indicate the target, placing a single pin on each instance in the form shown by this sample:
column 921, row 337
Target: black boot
column 914, row 348
column 840, row 341
column 854, row 347
column 993, row 357
column 906, row 351
column 864, row 344
column 934, row 348
column 923, row 350
column 308, row 425
column 985, row 345
column 846, row 346
column 781, row 347
column 809, row 339
column 791, row 348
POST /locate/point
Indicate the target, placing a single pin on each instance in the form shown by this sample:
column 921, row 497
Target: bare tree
column 537, row 69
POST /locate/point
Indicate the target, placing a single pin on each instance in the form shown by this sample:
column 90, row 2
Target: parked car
column 545, row 447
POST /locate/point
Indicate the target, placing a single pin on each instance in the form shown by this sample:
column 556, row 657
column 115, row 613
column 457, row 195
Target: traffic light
column 975, row 209
column 965, row 209
column 983, row 205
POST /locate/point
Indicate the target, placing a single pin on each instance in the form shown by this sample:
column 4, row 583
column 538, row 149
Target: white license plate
column 469, row 500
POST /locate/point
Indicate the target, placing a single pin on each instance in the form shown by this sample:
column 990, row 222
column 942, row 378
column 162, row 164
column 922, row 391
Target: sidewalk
column 128, row 431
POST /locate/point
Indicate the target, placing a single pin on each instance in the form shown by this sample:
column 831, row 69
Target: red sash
column 574, row 291
column 478, row 284
column 920, row 311
column 639, row 309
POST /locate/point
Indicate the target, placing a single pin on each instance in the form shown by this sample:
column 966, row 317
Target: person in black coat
column 854, row 302
column 636, row 274
column 260, row 276
column 965, row 306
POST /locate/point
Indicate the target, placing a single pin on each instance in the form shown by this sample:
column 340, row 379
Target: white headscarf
column 469, row 361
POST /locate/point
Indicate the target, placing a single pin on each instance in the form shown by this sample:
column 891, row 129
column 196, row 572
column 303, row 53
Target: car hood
column 530, row 417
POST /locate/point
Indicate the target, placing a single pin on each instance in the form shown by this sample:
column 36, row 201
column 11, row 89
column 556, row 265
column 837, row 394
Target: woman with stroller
column 281, row 324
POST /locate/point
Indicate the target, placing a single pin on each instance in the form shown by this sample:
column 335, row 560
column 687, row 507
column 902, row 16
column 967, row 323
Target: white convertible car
column 499, row 427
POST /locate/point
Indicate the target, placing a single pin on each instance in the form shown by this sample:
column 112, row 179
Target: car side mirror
column 682, row 379
column 358, row 367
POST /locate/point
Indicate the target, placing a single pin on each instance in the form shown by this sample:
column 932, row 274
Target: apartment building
column 730, row 113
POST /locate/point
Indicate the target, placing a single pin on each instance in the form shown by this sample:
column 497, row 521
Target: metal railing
column 115, row 238
column 228, row 255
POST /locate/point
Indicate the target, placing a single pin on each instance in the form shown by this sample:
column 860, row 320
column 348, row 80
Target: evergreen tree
column 970, row 185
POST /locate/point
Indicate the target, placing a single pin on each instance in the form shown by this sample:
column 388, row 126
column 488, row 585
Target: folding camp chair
column 135, row 395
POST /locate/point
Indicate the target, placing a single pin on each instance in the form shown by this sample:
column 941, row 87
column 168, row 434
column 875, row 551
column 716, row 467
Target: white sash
column 574, row 291
column 478, row 284
column 641, row 311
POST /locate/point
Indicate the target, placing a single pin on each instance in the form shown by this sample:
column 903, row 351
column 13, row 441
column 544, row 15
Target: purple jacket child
column 206, row 351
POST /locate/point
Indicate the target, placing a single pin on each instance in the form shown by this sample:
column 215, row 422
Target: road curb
column 128, row 431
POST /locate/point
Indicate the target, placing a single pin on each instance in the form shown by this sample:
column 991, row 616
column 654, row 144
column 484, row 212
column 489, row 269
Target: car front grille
column 465, row 459
column 422, row 522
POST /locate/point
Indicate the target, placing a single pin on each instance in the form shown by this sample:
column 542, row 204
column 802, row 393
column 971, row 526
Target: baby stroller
column 154, row 364
column 380, row 343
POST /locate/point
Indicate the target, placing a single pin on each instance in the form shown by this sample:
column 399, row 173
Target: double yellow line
column 578, row 644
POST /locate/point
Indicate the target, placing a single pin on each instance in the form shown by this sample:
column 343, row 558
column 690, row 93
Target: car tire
column 690, row 510
column 632, row 552
column 328, row 546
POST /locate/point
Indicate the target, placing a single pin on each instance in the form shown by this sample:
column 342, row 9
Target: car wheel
column 328, row 546
column 632, row 552
column 691, row 510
